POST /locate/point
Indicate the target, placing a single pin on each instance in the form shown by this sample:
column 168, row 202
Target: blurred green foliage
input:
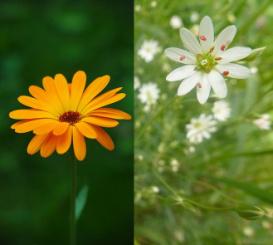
column 40, row 38
column 222, row 192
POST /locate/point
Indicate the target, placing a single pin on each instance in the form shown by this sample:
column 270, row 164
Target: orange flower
column 64, row 112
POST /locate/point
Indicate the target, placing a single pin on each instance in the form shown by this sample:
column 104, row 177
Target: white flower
column 221, row 110
column 208, row 61
column 154, row 189
column 194, row 17
column 174, row 165
column 200, row 128
column 253, row 70
column 137, row 8
column 175, row 22
column 153, row 4
column 248, row 231
column 263, row 122
column 148, row 95
column 136, row 82
column 148, row 50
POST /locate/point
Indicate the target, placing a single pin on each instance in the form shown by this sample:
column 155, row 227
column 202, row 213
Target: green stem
column 73, row 224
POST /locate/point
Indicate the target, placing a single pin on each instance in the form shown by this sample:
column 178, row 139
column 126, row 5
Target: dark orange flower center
column 70, row 117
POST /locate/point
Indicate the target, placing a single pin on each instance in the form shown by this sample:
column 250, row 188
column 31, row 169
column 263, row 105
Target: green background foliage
column 40, row 38
column 222, row 193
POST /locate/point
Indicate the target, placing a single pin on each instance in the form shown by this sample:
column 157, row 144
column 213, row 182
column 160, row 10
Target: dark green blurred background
column 41, row 38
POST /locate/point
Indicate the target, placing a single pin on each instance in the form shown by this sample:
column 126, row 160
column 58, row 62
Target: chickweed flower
column 221, row 110
column 263, row 122
column 148, row 50
column 208, row 61
column 148, row 95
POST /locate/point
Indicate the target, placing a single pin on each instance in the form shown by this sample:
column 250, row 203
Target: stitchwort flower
column 208, row 61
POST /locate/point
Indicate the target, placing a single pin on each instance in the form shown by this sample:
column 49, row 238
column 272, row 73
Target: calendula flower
column 207, row 62
column 61, row 113
column 200, row 128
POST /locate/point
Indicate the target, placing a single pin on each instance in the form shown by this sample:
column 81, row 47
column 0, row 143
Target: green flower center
column 205, row 62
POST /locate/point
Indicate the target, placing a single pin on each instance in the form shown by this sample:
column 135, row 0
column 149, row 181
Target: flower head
column 221, row 110
column 263, row 122
column 148, row 50
column 61, row 113
column 200, row 128
column 175, row 22
column 148, row 95
column 208, row 61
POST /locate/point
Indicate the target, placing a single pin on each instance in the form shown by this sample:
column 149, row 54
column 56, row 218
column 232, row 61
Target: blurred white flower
column 248, row 231
column 221, row 110
column 137, row 8
column 153, row 4
column 179, row 236
column 175, row 22
column 154, row 189
column 148, row 50
column 136, row 82
column 263, row 122
column 253, row 69
column 189, row 150
column 174, row 165
column 200, row 128
column 194, row 17
column 148, row 95
column 231, row 17
column 208, row 61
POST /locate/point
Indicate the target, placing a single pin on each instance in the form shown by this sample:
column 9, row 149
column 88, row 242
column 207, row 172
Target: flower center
column 205, row 62
column 70, row 117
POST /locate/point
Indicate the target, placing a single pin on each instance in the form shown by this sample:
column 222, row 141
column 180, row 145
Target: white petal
column 190, row 41
column 234, row 54
column 206, row 33
column 203, row 90
column 224, row 39
column 181, row 73
column 234, row 70
column 180, row 55
column 218, row 84
column 188, row 84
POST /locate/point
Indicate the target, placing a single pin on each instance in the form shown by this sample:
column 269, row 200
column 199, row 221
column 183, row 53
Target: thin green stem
column 73, row 223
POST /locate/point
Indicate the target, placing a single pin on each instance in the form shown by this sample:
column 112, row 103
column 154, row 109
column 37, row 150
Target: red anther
column 203, row 38
column 225, row 73
column 198, row 85
column 182, row 57
column 223, row 47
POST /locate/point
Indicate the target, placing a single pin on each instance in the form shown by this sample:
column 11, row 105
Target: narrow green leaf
column 81, row 201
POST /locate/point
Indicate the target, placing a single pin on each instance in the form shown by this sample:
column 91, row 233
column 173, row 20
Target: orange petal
column 64, row 141
column 86, row 129
column 62, row 90
column 60, row 128
column 32, row 102
column 45, row 128
column 104, row 139
column 35, row 144
column 93, row 90
column 37, row 93
column 79, row 144
column 48, row 146
column 113, row 99
column 111, row 113
column 26, row 126
column 77, row 88
column 51, row 93
column 100, row 121
column 29, row 114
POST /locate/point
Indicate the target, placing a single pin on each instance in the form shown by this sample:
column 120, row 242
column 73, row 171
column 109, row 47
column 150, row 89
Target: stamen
column 182, row 57
column 71, row 117
column 225, row 73
column 211, row 49
column 203, row 38
column 198, row 85
column 218, row 58
column 223, row 47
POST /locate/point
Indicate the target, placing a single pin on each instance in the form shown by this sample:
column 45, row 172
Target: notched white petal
column 203, row 90
column 181, row 73
column 190, row 41
column 234, row 71
column 234, row 54
column 188, row 84
column 180, row 55
column 218, row 84
column 206, row 33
